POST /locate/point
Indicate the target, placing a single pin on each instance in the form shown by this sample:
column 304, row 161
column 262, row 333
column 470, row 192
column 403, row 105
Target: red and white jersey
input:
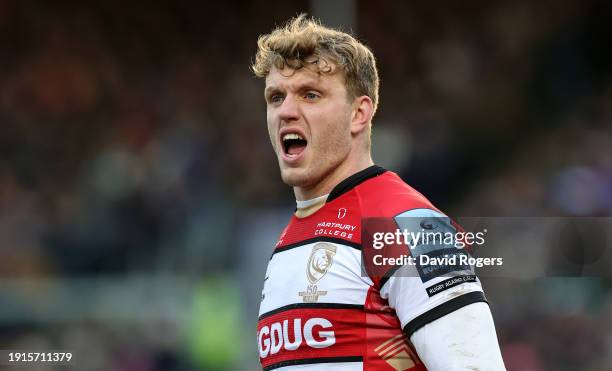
column 320, row 311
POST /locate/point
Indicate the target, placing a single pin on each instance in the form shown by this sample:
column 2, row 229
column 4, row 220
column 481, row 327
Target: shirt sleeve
column 462, row 340
column 423, row 291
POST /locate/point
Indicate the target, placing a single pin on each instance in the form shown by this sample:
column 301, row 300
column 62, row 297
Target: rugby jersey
column 321, row 310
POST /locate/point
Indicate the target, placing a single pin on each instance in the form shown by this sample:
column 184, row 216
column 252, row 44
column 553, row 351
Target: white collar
column 313, row 201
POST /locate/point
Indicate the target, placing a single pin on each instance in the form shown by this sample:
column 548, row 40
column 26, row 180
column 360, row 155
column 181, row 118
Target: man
column 318, row 311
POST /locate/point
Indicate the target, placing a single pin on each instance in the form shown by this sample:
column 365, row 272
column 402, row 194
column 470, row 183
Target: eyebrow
column 270, row 89
column 306, row 85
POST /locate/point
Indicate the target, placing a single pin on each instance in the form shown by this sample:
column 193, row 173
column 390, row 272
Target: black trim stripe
column 388, row 275
column 443, row 309
column 307, row 361
column 311, row 306
column 339, row 241
column 354, row 180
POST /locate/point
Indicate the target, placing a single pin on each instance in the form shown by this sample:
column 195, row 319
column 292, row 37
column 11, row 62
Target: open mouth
column 293, row 144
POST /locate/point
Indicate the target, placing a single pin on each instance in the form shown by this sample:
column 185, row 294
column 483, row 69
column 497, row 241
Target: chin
column 296, row 177
column 293, row 177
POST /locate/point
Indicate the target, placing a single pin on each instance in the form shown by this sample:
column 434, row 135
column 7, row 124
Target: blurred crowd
column 133, row 144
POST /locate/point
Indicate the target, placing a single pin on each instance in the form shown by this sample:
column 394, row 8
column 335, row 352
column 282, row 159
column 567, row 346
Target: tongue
column 295, row 149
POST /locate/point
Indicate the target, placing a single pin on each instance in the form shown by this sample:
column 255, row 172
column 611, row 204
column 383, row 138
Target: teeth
column 292, row 136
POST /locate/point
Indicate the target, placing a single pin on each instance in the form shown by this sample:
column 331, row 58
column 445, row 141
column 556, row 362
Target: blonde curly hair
column 303, row 41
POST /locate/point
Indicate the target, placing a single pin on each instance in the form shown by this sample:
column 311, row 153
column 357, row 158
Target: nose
column 289, row 110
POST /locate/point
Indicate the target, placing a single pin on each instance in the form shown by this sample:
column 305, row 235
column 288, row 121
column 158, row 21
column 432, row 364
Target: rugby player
column 318, row 311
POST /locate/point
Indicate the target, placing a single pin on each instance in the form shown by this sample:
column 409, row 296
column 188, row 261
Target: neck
column 346, row 169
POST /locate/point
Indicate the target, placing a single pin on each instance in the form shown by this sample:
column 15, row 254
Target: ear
column 362, row 114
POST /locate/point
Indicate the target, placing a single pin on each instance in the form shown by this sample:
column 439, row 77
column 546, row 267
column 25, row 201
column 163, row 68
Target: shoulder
column 387, row 195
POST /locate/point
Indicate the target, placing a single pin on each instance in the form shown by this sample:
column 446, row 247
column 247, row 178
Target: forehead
column 291, row 79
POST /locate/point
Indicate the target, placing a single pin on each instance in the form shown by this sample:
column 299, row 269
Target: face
column 309, row 116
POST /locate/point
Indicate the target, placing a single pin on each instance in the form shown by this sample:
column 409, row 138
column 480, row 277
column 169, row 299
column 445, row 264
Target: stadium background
column 139, row 195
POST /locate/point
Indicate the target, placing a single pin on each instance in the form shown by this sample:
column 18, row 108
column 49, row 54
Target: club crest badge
column 320, row 260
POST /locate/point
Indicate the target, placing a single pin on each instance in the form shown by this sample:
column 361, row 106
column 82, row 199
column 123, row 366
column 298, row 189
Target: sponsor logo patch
column 448, row 283
column 290, row 335
column 434, row 252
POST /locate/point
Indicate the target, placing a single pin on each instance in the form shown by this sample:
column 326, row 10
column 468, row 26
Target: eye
column 276, row 98
column 311, row 95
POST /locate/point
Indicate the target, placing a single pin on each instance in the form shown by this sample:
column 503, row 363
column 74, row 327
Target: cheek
column 337, row 131
column 272, row 133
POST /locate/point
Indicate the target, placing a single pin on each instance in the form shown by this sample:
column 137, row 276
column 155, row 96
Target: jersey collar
column 354, row 180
